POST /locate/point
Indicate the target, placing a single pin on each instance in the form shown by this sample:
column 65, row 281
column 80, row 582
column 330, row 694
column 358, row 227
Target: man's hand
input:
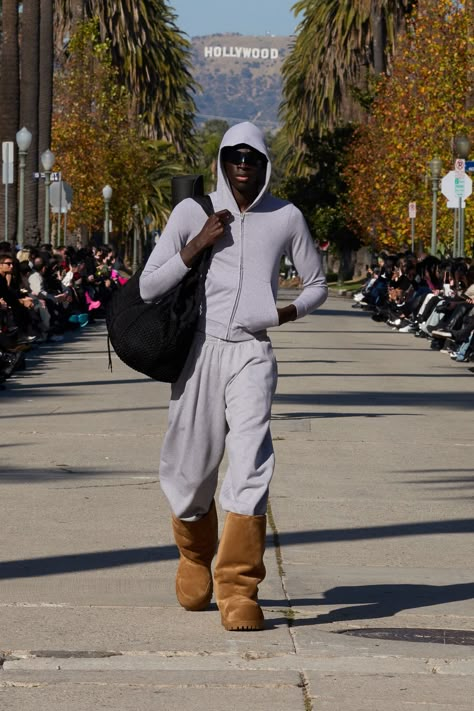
column 211, row 233
column 213, row 229
column 287, row 313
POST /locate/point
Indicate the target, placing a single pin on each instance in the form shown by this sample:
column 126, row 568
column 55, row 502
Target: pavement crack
column 6, row 657
column 79, row 654
column 289, row 612
column 304, row 686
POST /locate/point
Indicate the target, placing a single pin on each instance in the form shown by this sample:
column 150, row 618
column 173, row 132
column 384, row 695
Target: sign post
column 7, row 175
column 58, row 234
column 60, row 200
column 457, row 187
column 412, row 216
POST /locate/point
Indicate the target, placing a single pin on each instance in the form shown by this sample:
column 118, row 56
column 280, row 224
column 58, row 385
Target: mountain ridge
column 240, row 77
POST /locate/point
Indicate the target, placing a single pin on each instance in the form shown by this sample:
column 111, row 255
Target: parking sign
column 459, row 167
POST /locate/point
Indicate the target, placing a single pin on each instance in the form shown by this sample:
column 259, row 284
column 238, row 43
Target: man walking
column 223, row 396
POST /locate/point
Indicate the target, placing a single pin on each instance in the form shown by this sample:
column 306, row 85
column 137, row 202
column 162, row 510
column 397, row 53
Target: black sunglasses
column 239, row 157
column 8, row 264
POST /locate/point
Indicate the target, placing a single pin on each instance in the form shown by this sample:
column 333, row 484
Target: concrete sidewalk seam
column 304, row 681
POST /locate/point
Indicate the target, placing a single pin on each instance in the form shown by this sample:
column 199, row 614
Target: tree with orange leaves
column 97, row 141
column 418, row 111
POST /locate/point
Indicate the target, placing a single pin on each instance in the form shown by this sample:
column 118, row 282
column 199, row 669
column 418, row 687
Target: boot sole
column 244, row 626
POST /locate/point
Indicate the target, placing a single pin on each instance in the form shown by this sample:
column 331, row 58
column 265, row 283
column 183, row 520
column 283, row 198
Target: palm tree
column 45, row 98
column 28, row 102
column 155, row 198
column 339, row 43
column 152, row 58
column 29, row 93
column 9, row 96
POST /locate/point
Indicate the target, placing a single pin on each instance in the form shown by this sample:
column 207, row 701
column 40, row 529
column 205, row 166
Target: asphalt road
column 370, row 584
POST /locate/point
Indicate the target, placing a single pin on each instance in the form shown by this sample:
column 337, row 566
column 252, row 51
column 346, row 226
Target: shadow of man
column 363, row 602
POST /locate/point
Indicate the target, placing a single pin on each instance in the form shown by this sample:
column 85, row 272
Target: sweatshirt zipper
column 241, row 270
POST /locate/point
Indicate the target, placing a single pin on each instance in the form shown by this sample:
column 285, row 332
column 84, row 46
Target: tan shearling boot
column 239, row 570
column 197, row 543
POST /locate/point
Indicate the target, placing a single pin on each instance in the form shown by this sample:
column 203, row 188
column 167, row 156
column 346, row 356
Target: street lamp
column 23, row 141
column 135, row 238
column 435, row 167
column 47, row 161
column 107, row 194
column 462, row 146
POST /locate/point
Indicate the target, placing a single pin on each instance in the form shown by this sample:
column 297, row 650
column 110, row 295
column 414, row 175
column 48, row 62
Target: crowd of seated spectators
column 46, row 292
column 429, row 298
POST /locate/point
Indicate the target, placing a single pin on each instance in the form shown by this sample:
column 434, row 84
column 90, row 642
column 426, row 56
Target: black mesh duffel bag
column 155, row 338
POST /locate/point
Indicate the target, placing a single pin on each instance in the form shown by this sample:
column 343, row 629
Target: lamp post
column 23, row 141
column 462, row 146
column 47, row 161
column 135, row 239
column 107, row 195
column 435, row 167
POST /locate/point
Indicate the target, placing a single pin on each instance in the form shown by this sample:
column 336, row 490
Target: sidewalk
column 371, row 529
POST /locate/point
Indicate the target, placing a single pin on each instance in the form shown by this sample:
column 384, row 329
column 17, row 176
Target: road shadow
column 332, row 415
column 105, row 410
column 74, row 476
column 438, row 399
column 99, row 560
column 367, row 602
column 377, row 376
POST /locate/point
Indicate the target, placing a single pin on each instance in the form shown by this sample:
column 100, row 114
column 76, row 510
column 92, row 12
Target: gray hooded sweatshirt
column 242, row 281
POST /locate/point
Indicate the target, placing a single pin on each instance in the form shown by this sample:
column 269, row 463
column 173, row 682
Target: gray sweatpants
column 222, row 400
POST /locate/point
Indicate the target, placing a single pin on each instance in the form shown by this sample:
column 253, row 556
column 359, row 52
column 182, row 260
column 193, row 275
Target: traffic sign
column 456, row 189
column 459, row 187
column 54, row 177
column 459, row 167
column 7, row 165
column 60, row 197
column 412, row 210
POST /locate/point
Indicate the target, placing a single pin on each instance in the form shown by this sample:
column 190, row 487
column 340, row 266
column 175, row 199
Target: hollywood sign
column 241, row 52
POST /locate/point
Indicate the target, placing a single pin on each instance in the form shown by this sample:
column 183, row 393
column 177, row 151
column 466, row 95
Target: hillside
column 240, row 77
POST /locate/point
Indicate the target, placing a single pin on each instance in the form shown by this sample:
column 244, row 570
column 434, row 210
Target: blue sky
column 248, row 17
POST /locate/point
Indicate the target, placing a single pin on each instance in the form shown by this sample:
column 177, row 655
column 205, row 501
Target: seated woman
column 16, row 316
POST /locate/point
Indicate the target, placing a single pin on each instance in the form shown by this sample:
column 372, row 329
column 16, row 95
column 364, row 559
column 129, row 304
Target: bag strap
column 109, row 354
column 206, row 203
